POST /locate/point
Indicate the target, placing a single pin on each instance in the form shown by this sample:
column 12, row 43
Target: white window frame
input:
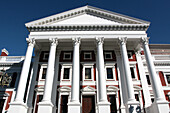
column 67, row 53
column 113, row 69
column 44, row 58
column 131, row 54
column 90, row 53
column 108, row 53
column 62, row 72
column 41, row 71
column 134, row 69
column 92, row 73
column 167, row 73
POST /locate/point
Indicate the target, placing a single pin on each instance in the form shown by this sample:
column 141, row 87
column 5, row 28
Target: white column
column 46, row 105
column 128, row 78
column 131, row 103
column 103, row 104
column 18, row 105
column 33, row 81
column 160, row 104
column 74, row 104
column 144, row 83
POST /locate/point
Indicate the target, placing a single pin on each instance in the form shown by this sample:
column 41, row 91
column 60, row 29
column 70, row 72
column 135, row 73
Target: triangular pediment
column 86, row 15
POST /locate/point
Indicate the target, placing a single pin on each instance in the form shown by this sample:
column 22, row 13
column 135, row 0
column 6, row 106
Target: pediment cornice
column 126, row 27
column 125, row 21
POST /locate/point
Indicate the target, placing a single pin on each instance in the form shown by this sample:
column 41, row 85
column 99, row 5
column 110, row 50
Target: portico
column 78, row 64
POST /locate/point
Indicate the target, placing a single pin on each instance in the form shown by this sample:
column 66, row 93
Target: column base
column 123, row 109
column 159, row 107
column 18, row 107
column 103, row 107
column 29, row 110
column 45, row 107
column 73, row 107
column 133, row 107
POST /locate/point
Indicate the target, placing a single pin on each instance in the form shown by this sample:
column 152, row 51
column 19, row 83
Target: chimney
column 4, row 52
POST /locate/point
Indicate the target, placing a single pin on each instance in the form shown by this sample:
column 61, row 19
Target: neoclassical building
column 89, row 60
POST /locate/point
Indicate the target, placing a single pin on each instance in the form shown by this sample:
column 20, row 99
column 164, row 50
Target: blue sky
column 15, row 13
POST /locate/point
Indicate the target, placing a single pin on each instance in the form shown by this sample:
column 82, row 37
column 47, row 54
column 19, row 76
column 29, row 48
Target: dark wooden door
column 63, row 104
column 88, row 104
column 112, row 100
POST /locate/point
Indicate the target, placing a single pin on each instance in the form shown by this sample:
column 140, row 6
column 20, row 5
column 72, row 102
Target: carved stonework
column 54, row 41
column 144, row 40
column 76, row 40
column 30, row 41
column 99, row 40
column 5, row 79
column 122, row 40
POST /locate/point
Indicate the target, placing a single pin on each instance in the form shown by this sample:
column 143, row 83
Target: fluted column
column 128, row 78
column 74, row 104
column 46, row 105
column 103, row 104
column 18, row 106
column 101, row 72
column 33, row 81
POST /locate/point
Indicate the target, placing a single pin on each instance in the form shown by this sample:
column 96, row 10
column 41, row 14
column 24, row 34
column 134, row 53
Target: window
column 87, row 55
column 45, row 56
column 132, row 72
column 108, row 55
column 109, row 73
column 66, row 73
column 67, row 55
column 148, row 79
column 44, row 73
column 88, row 73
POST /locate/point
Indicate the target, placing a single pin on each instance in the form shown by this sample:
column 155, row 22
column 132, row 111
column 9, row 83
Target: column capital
column 144, row 40
column 99, row 40
column 76, row 40
column 122, row 40
column 53, row 41
column 30, row 41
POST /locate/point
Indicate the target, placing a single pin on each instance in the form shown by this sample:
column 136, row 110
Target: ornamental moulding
column 126, row 27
